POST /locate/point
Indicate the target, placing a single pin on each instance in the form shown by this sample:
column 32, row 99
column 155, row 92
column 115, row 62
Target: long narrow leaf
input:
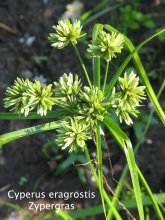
column 84, row 17
column 64, row 215
column 6, row 138
column 140, row 68
column 32, row 115
column 151, row 195
column 89, row 18
column 124, row 141
column 99, row 164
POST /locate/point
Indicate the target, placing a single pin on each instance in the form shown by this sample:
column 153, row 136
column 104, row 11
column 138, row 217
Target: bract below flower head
column 65, row 33
column 15, row 99
column 73, row 134
column 106, row 45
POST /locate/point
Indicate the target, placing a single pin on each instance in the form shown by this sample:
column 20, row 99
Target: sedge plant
column 79, row 111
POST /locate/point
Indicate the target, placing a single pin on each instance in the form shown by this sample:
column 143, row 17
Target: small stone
column 26, row 74
column 30, row 40
column 41, row 79
column 149, row 141
column 150, row 106
column 21, row 40
column 45, row 1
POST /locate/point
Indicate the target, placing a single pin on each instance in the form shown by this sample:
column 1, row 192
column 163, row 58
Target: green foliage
column 85, row 108
column 132, row 18
column 23, row 180
column 161, row 36
column 72, row 159
column 65, row 164
column 86, row 104
column 140, row 124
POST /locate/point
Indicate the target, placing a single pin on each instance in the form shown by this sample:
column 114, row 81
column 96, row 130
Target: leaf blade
column 126, row 146
column 11, row 136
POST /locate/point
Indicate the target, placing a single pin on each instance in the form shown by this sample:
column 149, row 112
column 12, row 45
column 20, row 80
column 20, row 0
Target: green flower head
column 93, row 102
column 130, row 91
column 124, row 111
column 15, row 99
column 40, row 98
column 74, row 133
column 106, row 45
column 128, row 98
column 67, row 90
column 65, row 33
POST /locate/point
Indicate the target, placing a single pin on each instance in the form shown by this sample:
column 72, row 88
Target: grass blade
column 97, row 15
column 124, row 141
column 99, row 165
column 151, row 195
column 32, row 115
column 64, row 215
column 140, row 68
column 11, row 136
column 83, row 18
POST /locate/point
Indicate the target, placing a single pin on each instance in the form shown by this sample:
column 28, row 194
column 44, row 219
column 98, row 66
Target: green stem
column 96, row 71
column 83, row 65
column 106, row 197
column 96, row 60
column 105, row 77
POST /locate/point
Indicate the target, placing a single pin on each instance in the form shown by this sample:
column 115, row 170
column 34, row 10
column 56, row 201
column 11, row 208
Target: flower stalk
column 83, row 65
column 105, row 77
